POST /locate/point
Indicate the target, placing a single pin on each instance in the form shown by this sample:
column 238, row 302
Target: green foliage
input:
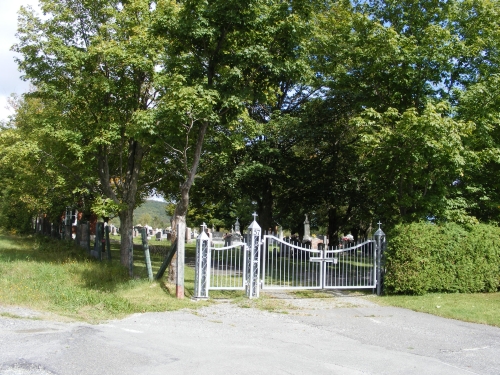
column 424, row 257
column 412, row 159
column 351, row 111
column 105, row 207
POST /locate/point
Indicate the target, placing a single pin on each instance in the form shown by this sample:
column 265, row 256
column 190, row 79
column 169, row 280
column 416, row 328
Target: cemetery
column 227, row 260
column 287, row 183
column 368, row 159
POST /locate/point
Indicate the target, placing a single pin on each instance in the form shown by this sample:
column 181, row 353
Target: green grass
column 58, row 277
column 483, row 308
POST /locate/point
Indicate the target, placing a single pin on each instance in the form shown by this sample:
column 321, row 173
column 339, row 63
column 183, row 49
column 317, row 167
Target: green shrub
column 424, row 257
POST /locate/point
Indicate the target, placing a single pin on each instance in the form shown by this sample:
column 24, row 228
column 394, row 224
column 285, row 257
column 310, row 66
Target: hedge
column 424, row 257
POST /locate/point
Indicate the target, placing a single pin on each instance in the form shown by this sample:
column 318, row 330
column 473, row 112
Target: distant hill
column 153, row 209
column 148, row 211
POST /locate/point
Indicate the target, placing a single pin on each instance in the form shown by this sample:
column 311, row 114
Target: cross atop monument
column 379, row 224
column 255, row 216
column 203, row 227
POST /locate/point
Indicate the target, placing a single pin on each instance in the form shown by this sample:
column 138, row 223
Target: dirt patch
column 317, row 300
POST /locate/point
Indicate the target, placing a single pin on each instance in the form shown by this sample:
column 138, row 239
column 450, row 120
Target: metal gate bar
column 352, row 267
column 228, row 267
column 289, row 266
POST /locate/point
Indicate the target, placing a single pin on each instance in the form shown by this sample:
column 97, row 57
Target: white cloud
column 10, row 81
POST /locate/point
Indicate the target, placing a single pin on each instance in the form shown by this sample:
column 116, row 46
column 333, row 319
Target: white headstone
column 307, row 231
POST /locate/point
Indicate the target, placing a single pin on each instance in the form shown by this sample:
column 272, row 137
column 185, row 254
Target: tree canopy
column 351, row 112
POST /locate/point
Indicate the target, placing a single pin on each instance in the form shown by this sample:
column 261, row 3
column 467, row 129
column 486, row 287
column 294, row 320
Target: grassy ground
column 55, row 276
column 483, row 308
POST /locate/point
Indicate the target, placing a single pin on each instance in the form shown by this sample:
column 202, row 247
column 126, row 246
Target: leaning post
column 87, row 236
column 253, row 262
column 99, row 236
column 130, row 236
column 379, row 241
column 147, row 258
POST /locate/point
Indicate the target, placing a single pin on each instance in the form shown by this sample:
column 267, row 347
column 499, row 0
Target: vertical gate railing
column 227, row 267
column 351, row 267
column 234, row 267
column 295, row 266
column 290, row 266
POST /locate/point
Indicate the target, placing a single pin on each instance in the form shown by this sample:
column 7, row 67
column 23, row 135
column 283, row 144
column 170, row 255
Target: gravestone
column 307, row 231
column 234, row 237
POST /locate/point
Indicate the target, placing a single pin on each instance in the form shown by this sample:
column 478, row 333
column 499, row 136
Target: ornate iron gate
column 234, row 267
column 269, row 262
column 294, row 266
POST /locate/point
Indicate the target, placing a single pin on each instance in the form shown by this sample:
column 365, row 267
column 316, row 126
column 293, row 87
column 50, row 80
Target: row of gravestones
column 162, row 235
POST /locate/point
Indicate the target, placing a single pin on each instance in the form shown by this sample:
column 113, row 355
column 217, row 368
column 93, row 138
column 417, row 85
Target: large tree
column 96, row 61
column 224, row 56
column 39, row 171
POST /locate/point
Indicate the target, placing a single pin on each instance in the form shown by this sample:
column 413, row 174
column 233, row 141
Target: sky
column 10, row 81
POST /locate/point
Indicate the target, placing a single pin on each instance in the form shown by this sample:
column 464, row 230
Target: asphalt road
column 341, row 335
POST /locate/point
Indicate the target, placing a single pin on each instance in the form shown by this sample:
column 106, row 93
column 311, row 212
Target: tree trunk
column 266, row 209
column 333, row 225
column 128, row 189
column 126, row 239
column 179, row 217
column 181, row 208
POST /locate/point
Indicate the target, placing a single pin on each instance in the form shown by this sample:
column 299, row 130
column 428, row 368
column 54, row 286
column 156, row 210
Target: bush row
column 424, row 257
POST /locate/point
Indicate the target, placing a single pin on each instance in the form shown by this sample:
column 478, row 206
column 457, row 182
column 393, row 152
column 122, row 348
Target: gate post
column 202, row 275
column 379, row 241
column 253, row 262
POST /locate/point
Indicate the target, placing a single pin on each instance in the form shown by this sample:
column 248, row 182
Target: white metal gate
column 294, row 266
column 235, row 267
column 227, row 267
column 271, row 263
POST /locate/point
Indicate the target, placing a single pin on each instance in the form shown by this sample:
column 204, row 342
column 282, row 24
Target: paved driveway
column 340, row 335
